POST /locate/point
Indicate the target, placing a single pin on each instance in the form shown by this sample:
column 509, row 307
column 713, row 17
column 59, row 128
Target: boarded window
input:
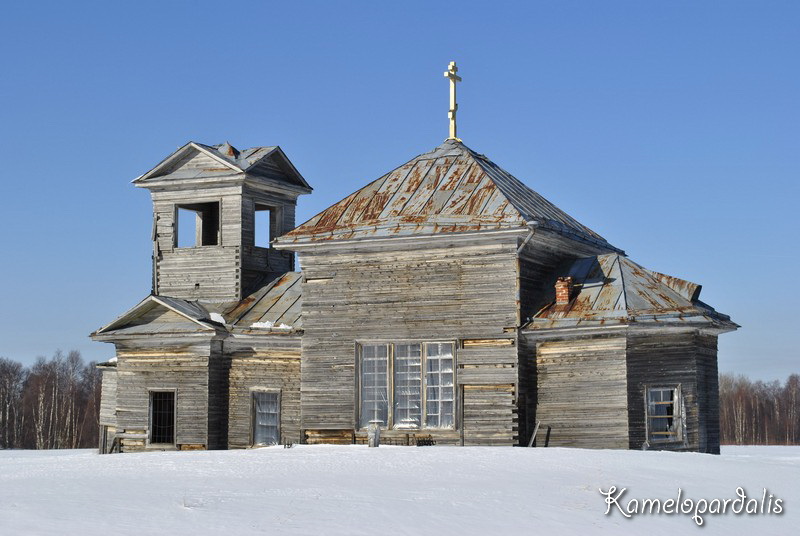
column 197, row 224
column 407, row 385
column 664, row 421
column 162, row 417
column 374, row 384
column 266, row 418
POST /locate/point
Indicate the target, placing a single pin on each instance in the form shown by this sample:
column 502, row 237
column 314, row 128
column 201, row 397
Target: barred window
column 162, row 417
column 407, row 385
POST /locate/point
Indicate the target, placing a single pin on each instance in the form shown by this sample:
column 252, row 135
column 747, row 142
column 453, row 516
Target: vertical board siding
column 581, row 387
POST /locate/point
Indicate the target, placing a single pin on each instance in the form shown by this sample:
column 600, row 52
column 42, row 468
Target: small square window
column 196, row 224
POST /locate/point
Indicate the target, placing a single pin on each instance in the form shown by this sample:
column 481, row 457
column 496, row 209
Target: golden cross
column 451, row 74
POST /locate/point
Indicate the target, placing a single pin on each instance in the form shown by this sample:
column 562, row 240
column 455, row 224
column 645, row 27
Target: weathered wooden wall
column 232, row 268
column 542, row 257
column 267, row 362
column 582, row 391
column 451, row 292
column 668, row 358
column 108, row 396
column 159, row 365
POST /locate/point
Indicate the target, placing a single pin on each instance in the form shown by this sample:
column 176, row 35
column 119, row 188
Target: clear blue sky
column 671, row 128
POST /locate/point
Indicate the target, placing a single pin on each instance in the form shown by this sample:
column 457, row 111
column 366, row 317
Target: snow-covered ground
column 350, row 490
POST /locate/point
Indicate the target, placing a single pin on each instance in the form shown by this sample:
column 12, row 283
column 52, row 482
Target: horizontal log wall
column 582, row 395
column 234, row 267
column 675, row 358
column 708, row 392
column 266, row 364
column 416, row 294
column 186, row 370
column 489, row 415
column 543, row 257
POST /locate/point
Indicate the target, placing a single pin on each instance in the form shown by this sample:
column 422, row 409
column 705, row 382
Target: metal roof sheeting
column 277, row 304
column 450, row 189
column 611, row 289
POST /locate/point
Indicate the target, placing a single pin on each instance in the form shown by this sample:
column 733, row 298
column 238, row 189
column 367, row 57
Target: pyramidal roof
column 611, row 289
column 449, row 189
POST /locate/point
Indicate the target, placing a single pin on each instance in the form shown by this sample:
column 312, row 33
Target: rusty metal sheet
column 427, row 187
column 612, row 289
column 406, row 188
column 450, row 189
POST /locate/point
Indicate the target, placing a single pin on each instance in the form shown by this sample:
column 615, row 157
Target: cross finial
column 454, row 78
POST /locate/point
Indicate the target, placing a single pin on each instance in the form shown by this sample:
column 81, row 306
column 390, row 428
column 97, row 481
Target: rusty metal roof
column 449, row 189
column 612, row 289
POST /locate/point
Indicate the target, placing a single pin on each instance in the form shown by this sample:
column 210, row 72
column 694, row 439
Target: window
column 196, row 224
column 407, row 385
column 664, row 422
column 267, row 225
column 266, row 418
column 162, row 417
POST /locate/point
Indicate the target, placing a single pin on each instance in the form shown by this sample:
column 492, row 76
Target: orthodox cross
column 454, row 78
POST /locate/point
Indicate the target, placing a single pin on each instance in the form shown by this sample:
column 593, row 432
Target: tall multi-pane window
column 374, row 384
column 664, row 414
column 407, row 385
column 440, row 392
column 266, row 418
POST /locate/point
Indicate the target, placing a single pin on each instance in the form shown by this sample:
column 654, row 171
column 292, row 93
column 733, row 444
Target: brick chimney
column 563, row 290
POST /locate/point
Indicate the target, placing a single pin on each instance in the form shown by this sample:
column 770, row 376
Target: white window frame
column 391, row 425
column 678, row 414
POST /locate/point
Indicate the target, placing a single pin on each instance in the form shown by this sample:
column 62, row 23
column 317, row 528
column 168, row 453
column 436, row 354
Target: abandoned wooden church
column 445, row 300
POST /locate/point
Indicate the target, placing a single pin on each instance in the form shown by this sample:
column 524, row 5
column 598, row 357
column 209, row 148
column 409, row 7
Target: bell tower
column 216, row 211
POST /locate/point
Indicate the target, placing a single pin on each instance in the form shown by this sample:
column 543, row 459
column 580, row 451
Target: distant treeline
column 54, row 404
column 758, row 413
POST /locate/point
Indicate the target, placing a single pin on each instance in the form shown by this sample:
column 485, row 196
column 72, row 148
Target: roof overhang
column 432, row 238
column 192, row 313
column 180, row 153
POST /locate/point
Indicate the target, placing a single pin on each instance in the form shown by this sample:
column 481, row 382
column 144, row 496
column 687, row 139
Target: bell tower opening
column 216, row 211
column 197, row 224
column 267, row 225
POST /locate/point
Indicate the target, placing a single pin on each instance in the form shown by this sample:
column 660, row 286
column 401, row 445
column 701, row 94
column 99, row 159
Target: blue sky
column 671, row 128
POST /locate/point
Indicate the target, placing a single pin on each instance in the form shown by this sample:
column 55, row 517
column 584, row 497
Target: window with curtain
column 407, row 385
column 266, row 418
